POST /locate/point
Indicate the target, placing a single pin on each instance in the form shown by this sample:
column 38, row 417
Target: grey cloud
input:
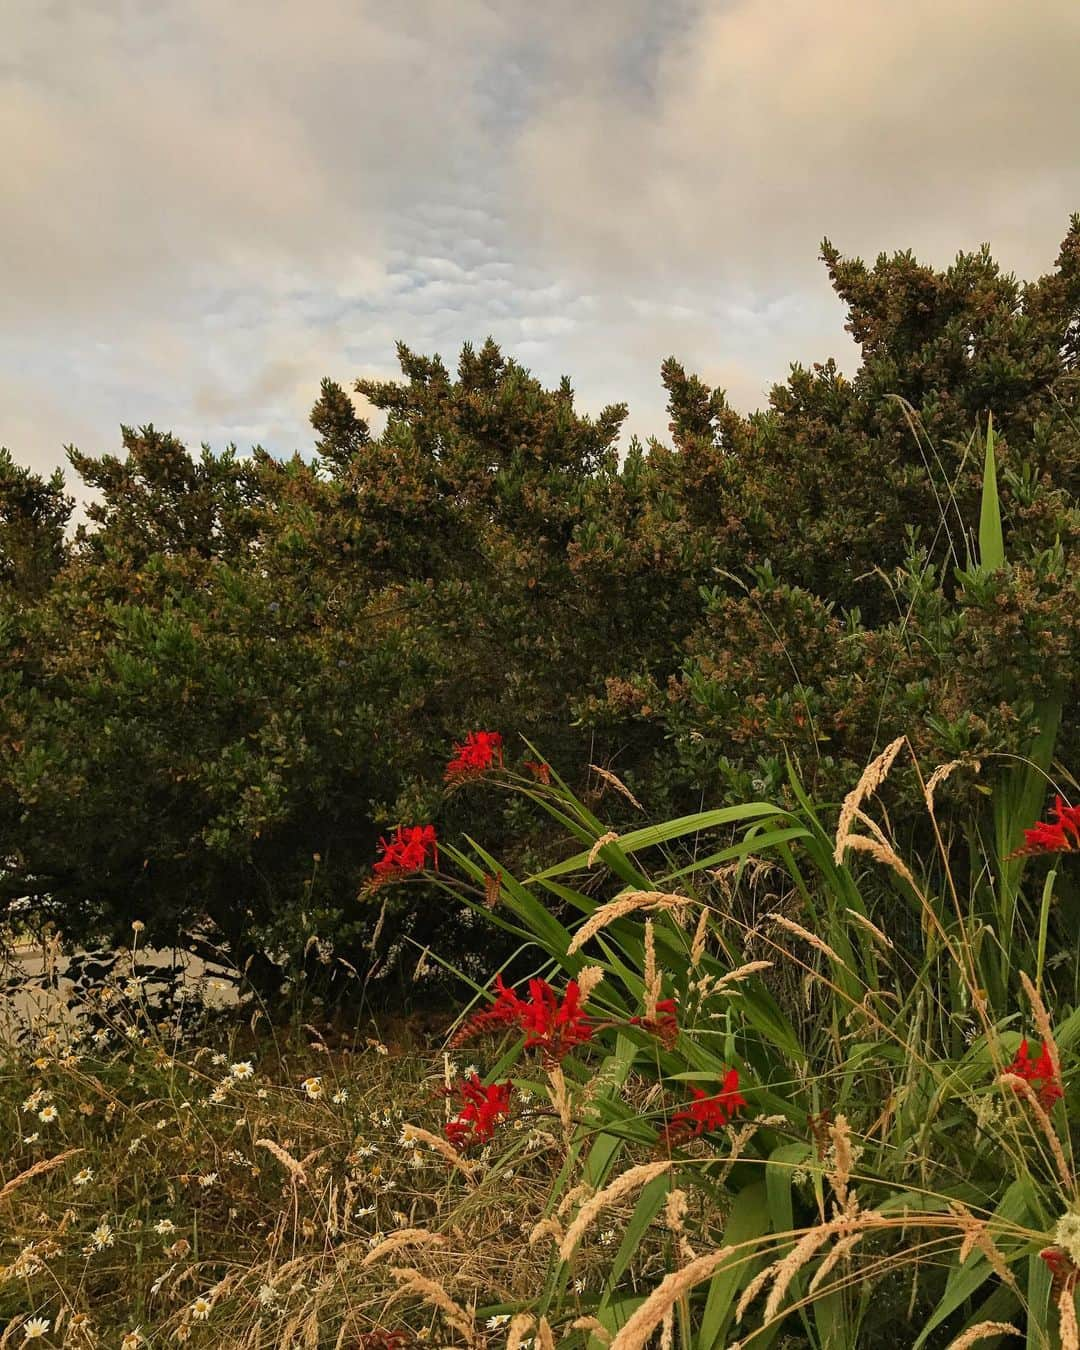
column 210, row 206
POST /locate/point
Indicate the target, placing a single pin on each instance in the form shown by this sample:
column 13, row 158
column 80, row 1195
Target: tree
column 34, row 515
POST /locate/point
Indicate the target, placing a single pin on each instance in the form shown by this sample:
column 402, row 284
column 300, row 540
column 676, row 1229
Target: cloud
column 774, row 122
column 208, row 207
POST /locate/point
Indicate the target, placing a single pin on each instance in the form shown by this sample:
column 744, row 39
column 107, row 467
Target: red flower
column 665, row 1024
column 554, row 1026
column 475, row 757
column 1039, row 1074
column 1062, row 1269
column 406, row 853
column 1062, row 836
column 482, row 1107
column 541, row 772
column 706, row 1113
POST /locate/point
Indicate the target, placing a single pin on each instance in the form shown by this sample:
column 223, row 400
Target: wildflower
column 340, row 1097
column 207, row 1180
column 84, row 1177
column 555, row 1027
column 497, row 1320
column 1040, row 1074
column 102, row 1236
column 48, row 1114
column 131, row 1340
column 483, row 1107
column 266, row 1295
column 201, row 1308
column 664, row 1024
column 1062, row 1267
column 706, row 1113
column 480, row 751
column 405, row 854
column 36, row 1328
column 541, row 772
column 164, row 1226
column 243, row 1069
column 1060, row 836
column 313, row 1088
column 31, row 1138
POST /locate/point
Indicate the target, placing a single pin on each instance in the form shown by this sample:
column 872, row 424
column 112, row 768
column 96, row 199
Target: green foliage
column 910, row 1187
column 34, row 513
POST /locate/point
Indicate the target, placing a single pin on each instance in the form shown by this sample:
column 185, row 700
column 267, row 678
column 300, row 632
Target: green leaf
column 651, row 835
column 991, row 536
column 976, row 1270
column 749, row 1218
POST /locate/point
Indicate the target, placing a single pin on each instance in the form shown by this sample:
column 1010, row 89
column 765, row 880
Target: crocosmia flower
column 706, row 1113
column 481, row 751
column 551, row 1024
column 482, row 1108
column 406, row 853
column 664, row 1024
column 1039, row 1073
column 1061, row 835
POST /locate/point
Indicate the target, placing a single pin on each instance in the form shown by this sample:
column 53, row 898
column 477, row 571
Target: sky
column 208, row 207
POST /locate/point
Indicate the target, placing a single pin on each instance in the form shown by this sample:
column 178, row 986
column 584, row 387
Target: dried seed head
column 609, row 838
column 632, row 1180
column 627, row 903
column 872, row 778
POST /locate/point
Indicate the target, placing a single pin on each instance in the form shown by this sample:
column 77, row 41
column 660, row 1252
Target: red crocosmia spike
column 1039, row 1073
column 482, row 1108
column 550, row 1025
column 480, row 751
column 405, row 854
column 507, row 1010
column 1061, row 835
column 541, row 772
column 1063, row 1269
column 553, row 1026
column 665, row 1025
column 706, row 1113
